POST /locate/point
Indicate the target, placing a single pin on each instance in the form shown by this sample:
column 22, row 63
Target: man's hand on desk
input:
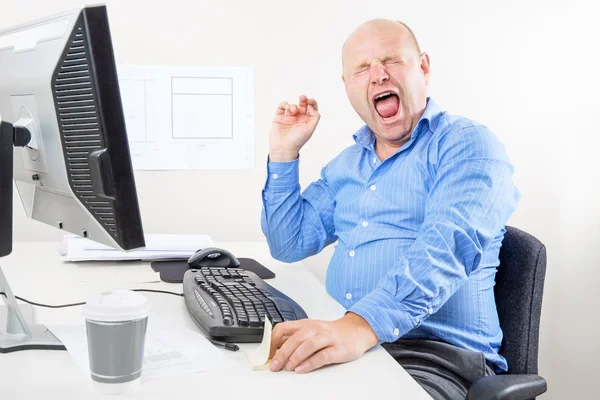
column 306, row 345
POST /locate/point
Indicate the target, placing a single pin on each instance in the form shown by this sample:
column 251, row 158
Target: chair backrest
column 519, row 290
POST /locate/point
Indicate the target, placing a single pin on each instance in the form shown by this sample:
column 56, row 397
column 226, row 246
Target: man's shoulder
column 342, row 163
column 349, row 153
column 452, row 124
column 459, row 131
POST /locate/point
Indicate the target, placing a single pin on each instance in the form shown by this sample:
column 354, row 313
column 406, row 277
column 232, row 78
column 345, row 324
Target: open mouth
column 387, row 104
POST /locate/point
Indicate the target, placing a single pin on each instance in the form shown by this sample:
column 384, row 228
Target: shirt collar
column 366, row 138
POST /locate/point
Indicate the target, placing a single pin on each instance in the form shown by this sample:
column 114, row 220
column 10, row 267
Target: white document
column 168, row 351
column 158, row 247
column 189, row 117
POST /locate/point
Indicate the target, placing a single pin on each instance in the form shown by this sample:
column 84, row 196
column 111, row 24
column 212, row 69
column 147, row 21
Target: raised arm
column 296, row 225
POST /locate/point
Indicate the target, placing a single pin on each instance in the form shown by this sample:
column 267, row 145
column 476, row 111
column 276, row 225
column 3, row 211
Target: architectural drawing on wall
column 189, row 117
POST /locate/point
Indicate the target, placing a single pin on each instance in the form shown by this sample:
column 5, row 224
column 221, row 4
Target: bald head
column 377, row 27
column 386, row 77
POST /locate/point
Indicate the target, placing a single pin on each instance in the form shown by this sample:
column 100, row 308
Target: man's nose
column 378, row 74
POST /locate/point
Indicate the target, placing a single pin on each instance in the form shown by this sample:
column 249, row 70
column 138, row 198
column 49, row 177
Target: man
column 418, row 207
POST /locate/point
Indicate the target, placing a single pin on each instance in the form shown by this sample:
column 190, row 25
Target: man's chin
column 396, row 133
column 390, row 124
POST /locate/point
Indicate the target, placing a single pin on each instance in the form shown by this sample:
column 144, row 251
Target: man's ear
column 426, row 67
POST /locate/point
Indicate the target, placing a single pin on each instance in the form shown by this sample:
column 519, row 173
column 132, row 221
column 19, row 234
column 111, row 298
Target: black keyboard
column 230, row 304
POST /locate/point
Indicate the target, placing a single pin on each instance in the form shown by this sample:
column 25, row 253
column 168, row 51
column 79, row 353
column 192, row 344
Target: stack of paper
column 158, row 247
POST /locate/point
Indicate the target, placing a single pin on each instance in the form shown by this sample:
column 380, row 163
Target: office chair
column 518, row 291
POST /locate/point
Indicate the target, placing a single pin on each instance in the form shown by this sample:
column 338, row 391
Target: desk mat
column 173, row 271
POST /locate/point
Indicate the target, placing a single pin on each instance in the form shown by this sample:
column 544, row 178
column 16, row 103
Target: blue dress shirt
column 418, row 235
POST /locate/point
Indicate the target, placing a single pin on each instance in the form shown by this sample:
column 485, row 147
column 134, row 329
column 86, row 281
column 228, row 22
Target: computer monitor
column 64, row 142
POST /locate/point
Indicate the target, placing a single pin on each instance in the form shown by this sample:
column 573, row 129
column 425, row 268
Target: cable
column 158, row 291
column 44, row 305
column 80, row 304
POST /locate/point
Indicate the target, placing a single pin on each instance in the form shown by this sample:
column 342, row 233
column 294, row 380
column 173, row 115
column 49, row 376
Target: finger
column 282, row 107
column 293, row 110
column 282, row 355
column 307, row 349
column 323, row 357
column 302, row 104
column 312, row 112
column 281, row 333
column 313, row 103
column 313, row 118
column 283, row 340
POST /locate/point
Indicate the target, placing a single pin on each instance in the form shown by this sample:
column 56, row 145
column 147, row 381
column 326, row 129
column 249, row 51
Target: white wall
column 527, row 69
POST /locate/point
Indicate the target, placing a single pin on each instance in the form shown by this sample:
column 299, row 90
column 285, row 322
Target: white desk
column 35, row 273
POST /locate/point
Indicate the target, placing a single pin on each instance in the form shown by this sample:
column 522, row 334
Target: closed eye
column 393, row 61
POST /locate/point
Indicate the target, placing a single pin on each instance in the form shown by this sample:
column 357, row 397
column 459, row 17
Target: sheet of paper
column 259, row 357
column 158, row 247
column 168, row 351
column 188, row 117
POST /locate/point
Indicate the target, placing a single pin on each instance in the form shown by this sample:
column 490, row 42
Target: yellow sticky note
column 259, row 357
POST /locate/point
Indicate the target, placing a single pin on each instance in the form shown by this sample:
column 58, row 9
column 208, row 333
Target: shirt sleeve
column 470, row 202
column 296, row 225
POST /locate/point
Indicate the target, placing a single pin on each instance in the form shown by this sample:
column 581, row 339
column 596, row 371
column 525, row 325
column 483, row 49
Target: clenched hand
column 293, row 125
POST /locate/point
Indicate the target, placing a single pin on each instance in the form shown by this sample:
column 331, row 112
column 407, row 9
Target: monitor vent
column 79, row 123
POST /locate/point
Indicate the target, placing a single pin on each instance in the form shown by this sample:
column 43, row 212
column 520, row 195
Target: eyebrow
column 392, row 56
column 384, row 59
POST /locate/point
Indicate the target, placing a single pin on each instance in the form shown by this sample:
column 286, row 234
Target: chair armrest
column 507, row 387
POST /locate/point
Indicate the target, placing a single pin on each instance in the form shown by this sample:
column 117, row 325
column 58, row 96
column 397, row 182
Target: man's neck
column 384, row 149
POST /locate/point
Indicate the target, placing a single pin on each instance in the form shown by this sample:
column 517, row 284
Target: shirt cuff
column 387, row 316
column 282, row 176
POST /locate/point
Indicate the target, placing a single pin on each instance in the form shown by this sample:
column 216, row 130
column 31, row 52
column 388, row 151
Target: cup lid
column 116, row 306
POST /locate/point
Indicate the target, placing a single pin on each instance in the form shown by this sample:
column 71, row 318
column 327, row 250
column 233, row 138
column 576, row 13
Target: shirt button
column 349, row 296
column 352, row 253
column 374, row 160
column 275, row 176
column 373, row 187
column 430, row 310
column 365, row 223
column 396, row 332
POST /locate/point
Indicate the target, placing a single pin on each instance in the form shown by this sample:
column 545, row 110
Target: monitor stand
column 16, row 334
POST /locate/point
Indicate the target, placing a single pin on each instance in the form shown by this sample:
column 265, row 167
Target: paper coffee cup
column 116, row 324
